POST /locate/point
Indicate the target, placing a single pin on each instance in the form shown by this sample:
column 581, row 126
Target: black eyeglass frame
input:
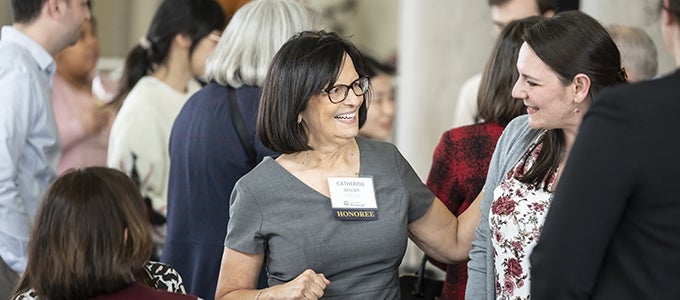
column 348, row 88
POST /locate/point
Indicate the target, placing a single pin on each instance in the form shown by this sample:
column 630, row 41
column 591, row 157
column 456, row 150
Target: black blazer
column 613, row 229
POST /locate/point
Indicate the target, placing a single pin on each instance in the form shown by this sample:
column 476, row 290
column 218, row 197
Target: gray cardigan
column 513, row 143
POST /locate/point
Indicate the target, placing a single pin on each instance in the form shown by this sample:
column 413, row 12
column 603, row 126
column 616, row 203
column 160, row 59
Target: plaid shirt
column 458, row 173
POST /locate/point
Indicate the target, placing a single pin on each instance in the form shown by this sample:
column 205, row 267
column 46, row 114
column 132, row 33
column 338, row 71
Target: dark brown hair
column 494, row 98
column 194, row 18
column 307, row 63
column 90, row 236
column 25, row 11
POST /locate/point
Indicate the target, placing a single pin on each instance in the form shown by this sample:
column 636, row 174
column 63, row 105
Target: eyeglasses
column 338, row 92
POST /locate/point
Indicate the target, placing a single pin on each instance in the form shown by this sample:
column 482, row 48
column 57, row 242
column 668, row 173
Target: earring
column 299, row 119
column 576, row 110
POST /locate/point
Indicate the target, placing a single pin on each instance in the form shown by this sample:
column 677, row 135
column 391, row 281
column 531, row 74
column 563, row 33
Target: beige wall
column 640, row 13
column 441, row 45
column 122, row 23
column 371, row 24
column 5, row 12
column 443, row 42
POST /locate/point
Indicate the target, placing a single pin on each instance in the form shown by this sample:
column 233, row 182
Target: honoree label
column 353, row 198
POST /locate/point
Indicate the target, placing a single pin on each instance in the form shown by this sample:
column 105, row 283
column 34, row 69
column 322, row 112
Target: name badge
column 353, row 198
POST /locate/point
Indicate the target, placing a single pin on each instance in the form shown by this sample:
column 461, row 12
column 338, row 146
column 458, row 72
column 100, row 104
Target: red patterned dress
column 458, row 173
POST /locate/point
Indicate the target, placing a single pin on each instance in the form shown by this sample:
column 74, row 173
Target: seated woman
column 92, row 235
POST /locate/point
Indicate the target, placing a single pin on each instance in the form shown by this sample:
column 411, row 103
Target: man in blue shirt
column 29, row 141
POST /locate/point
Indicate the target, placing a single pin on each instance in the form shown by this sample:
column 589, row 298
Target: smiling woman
column 293, row 209
column 563, row 62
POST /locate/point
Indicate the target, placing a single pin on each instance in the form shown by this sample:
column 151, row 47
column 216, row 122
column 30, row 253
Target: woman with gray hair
column 213, row 141
column 638, row 52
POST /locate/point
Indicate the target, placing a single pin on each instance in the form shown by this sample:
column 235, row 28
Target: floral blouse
column 517, row 215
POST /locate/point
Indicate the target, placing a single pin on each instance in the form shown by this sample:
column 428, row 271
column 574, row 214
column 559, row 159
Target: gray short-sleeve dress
column 273, row 212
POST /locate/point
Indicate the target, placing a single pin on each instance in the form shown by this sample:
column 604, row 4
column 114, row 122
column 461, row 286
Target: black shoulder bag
column 419, row 287
column 240, row 125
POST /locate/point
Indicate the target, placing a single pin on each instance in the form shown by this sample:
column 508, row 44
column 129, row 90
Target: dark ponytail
column 195, row 18
column 137, row 65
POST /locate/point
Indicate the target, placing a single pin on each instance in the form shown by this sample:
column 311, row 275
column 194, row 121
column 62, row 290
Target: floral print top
column 517, row 215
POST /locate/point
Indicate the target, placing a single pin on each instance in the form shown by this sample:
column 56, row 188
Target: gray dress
column 273, row 212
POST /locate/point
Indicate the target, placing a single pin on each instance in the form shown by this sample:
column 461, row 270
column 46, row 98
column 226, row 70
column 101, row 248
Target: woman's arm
column 443, row 237
column 238, row 280
column 480, row 264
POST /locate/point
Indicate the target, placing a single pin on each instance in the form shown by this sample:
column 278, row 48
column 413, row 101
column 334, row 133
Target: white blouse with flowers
column 517, row 216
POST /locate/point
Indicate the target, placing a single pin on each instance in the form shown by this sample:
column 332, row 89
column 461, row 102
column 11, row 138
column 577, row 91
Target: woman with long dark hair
column 563, row 63
column 158, row 78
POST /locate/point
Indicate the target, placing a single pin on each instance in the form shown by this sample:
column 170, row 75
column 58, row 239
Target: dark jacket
column 613, row 229
column 206, row 160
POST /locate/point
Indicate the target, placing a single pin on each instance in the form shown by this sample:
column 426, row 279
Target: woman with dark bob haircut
column 91, row 239
column 333, row 213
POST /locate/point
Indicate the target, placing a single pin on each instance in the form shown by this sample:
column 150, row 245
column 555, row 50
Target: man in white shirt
column 29, row 141
column 502, row 13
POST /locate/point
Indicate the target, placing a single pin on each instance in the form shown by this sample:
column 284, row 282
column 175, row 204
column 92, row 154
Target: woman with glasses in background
column 331, row 216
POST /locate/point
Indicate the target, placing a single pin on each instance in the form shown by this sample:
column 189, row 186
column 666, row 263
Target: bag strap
column 418, row 285
column 237, row 119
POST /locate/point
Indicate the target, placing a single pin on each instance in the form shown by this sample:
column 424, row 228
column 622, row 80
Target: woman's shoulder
column 374, row 146
column 27, row 295
column 210, row 98
column 380, row 156
column 141, row 99
column 147, row 84
column 215, row 96
column 518, row 130
column 518, row 125
column 514, row 141
column 151, row 91
column 140, row 291
column 160, row 272
column 486, row 129
column 267, row 168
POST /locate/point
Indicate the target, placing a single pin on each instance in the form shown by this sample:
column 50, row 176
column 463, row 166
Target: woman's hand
column 307, row 286
column 95, row 118
column 238, row 280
